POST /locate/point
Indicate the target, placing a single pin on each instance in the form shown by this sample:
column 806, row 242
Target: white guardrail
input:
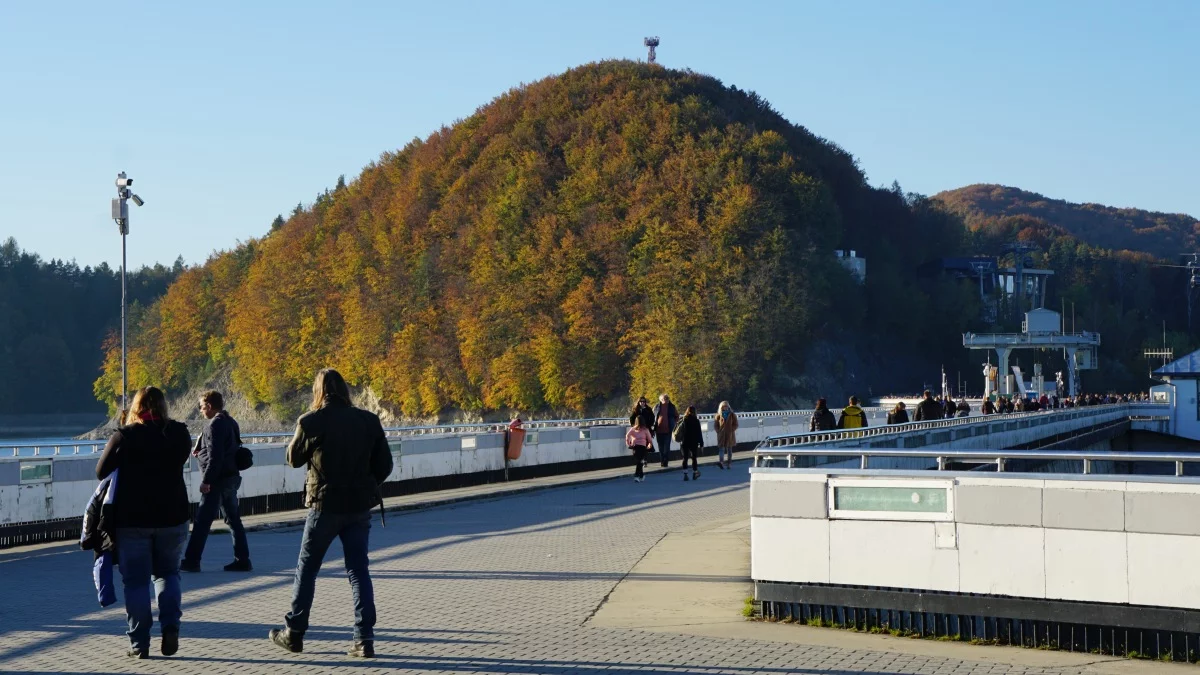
column 82, row 447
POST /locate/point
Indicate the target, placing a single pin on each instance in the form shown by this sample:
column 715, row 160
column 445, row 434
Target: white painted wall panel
column 789, row 549
column 1086, row 565
column 898, row 554
column 1162, row 570
column 1002, row 560
column 32, row 503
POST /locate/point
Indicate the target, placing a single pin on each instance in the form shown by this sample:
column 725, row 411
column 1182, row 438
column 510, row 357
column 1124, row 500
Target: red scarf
column 148, row 416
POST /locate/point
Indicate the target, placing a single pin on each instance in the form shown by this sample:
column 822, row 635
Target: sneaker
column 170, row 642
column 363, row 650
column 135, row 653
column 189, row 565
column 239, row 566
column 685, row 477
column 720, row 465
column 288, row 640
column 695, row 475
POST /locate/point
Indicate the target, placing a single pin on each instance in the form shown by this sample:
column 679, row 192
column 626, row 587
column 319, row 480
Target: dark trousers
column 664, row 447
column 320, row 530
column 639, row 458
column 221, row 497
column 690, row 451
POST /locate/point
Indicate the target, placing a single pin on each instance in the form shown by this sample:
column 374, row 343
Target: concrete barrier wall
column 1127, row 542
column 65, row 488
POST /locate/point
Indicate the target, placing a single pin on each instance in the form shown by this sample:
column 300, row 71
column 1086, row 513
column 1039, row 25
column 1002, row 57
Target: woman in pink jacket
column 638, row 440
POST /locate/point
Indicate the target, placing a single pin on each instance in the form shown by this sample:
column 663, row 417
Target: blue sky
column 226, row 114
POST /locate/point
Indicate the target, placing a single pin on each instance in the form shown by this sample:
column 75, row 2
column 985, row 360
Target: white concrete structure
column 1113, row 539
column 1180, row 393
column 1041, row 329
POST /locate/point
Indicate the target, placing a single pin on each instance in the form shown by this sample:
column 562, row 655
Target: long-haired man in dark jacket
column 348, row 459
column 217, row 451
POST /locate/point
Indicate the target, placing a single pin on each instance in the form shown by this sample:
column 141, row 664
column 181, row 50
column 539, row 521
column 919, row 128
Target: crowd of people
column 142, row 523
column 944, row 407
column 653, row 430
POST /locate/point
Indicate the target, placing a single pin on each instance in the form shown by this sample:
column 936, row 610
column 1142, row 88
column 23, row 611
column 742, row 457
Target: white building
column 1181, row 377
column 856, row 265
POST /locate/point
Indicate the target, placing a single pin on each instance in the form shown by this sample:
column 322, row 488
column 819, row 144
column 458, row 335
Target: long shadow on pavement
column 529, row 512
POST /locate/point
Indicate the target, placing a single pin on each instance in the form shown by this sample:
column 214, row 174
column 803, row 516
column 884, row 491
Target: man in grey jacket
column 216, row 449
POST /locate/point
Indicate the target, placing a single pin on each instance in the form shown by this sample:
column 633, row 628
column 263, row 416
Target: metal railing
column 942, row 458
column 1038, row 418
column 94, row 447
column 801, row 416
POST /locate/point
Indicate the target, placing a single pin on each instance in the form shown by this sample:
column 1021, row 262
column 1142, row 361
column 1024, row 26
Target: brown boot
column 363, row 650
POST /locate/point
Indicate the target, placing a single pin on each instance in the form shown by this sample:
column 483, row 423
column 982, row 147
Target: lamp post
column 120, row 213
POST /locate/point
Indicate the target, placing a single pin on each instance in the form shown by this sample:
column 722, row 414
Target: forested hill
column 53, row 317
column 1165, row 235
column 619, row 227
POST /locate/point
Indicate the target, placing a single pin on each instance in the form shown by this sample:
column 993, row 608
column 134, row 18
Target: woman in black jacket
column 691, row 442
column 822, row 418
column 151, row 512
column 643, row 412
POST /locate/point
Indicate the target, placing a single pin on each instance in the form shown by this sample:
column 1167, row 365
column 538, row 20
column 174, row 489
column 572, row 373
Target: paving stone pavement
column 493, row 586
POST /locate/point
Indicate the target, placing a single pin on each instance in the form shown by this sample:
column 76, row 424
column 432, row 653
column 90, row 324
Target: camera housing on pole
column 120, row 213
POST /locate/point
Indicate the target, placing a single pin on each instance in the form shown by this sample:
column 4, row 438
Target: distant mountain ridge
column 1161, row 234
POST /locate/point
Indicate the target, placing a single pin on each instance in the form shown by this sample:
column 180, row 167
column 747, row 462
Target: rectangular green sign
column 902, row 499
column 35, row 472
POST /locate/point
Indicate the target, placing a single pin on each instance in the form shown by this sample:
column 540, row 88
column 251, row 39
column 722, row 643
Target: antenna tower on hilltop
column 651, row 42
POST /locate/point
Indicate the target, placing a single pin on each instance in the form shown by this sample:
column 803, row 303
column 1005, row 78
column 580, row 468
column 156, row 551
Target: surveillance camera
column 122, row 181
column 137, row 200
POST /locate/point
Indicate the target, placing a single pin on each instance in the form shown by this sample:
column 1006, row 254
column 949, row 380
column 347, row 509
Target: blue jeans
column 319, row 532
column 144, row 552
column 222, row 497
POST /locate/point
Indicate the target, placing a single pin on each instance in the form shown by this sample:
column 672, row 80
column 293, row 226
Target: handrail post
column 1179, row 467
column 791, row 460
column 941, row 463
column 999, row 465
column 1087, row 466
column 863, row 464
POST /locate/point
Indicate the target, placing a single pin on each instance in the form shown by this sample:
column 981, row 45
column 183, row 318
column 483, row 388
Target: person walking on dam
column 642, row 411
column 691, row 440
column 852, row 417
column 822, row 418
column 665, row 419
column 726, row 424
column 899, row 414
column 637, row 439
column 151, row 513
column 348, row 459
column 928, row 409
column 216, row 449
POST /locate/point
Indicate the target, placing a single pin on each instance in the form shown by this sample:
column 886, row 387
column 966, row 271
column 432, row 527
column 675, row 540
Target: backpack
column 242, row 458
column 678, row 433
